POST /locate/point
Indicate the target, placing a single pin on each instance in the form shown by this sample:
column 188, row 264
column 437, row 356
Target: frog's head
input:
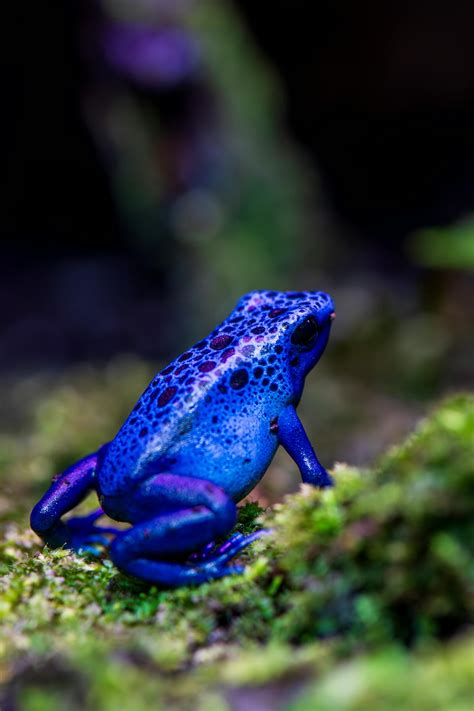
column 296, row 325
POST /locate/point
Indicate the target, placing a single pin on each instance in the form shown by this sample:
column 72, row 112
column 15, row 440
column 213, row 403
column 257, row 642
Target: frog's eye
column 306, row 333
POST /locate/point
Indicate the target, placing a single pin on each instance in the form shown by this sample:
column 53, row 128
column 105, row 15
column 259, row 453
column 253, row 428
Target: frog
column 197, row 442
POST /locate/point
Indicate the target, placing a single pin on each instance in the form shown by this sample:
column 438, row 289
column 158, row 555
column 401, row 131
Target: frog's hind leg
column 178, row 515
column 66, row 491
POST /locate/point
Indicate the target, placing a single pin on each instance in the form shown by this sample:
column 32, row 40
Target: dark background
column 314, row 155
column 380, row 97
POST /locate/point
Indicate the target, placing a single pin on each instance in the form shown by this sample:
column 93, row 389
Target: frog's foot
column 204, row 554
column 157, row 549
column 227, row 550
column 149, row 550
column 65, row 492
column 238, row 542
column 85, row 537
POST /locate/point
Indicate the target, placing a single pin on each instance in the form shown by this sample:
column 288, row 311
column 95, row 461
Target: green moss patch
column 369, row 582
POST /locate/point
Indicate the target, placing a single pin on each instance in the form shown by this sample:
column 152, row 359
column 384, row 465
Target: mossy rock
column 380, row 566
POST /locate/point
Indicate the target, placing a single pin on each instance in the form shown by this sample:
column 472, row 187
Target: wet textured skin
column 198, row 440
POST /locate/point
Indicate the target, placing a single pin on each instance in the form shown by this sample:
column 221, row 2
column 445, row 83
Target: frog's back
column 160, row 417
column 208, row 413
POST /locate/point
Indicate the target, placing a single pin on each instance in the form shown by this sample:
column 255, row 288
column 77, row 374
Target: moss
column 441, row 681
column 386, row 554
column 385, row 558
column 449, row 247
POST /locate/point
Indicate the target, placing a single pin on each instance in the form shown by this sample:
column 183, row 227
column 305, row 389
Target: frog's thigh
column 189, row 514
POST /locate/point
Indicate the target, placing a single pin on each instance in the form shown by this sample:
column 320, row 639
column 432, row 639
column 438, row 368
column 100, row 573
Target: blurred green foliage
column 265, row 203
column 389, row 551
column 245, row 221
column 445, row 247
column 391, row 680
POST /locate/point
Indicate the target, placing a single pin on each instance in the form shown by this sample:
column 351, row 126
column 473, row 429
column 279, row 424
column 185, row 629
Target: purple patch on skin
column 167, row 395
column 248, row 350
column 185, row 356
column 228, row 354
column 207, row 366
column 220, row 342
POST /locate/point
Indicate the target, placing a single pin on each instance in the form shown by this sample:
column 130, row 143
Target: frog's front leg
column 66, row 491
column 293, row 438
column 174, row 516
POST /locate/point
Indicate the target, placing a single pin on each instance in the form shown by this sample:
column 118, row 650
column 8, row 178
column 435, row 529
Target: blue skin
column 198, row 440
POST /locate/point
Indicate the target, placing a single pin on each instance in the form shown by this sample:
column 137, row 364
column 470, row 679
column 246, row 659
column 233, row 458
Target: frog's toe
column 84, row 536
column 202, row 554
column 210, row 551
column 325, row 480
column 92, row 544
column 92, row 517
column 233, row 540
column 213, row 570
column 98, row 538
column 234, row 545
column 85, row 549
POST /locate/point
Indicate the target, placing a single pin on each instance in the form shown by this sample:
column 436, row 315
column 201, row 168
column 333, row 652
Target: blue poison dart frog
column 198, row 440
